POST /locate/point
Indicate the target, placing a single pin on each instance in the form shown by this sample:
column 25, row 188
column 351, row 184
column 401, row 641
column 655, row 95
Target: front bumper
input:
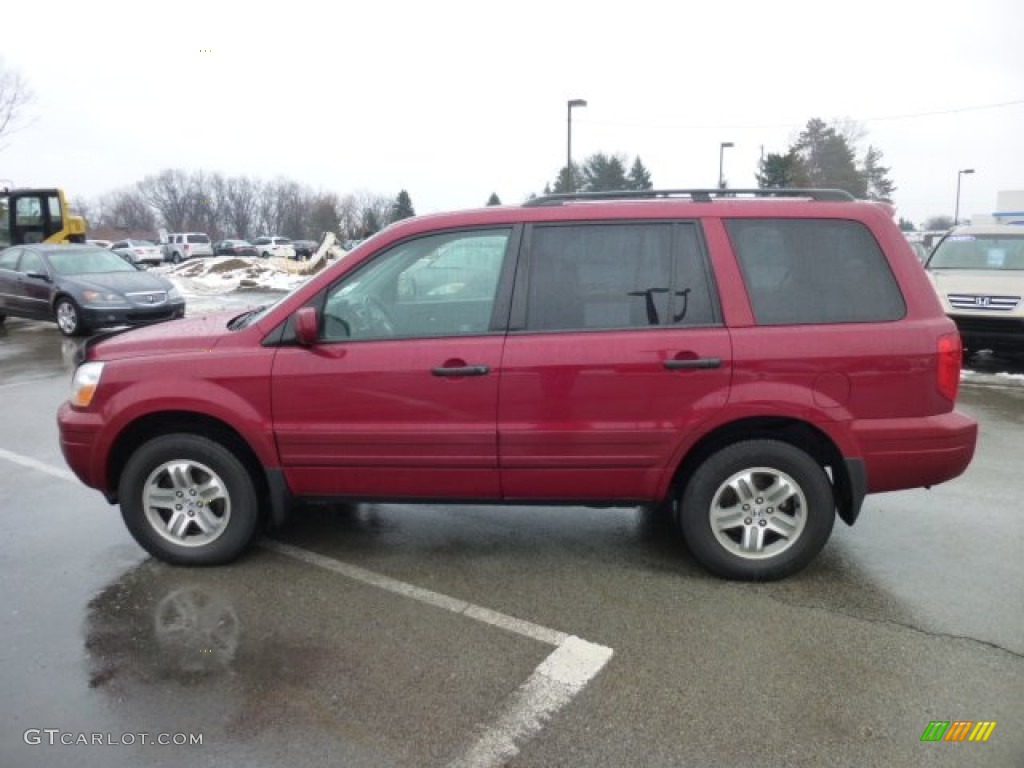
column 96, row 317
column 79, row 432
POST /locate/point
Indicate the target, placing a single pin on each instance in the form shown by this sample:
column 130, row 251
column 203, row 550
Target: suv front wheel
column 188, row 500
column 756, row 510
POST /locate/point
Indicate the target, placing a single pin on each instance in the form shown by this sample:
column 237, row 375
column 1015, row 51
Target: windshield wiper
column 242, row 320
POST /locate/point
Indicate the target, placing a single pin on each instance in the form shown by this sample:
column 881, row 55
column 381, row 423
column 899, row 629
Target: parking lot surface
column 435, row 635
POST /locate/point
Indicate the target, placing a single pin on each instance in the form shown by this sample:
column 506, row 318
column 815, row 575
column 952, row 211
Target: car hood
column 120, row 282
column 200, row 334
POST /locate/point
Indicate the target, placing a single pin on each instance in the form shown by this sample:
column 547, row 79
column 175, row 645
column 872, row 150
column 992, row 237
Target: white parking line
column 553, row 684
column 39, row 466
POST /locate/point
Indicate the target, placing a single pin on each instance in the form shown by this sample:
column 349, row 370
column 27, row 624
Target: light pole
column 721, row 158
column 568, row 146
column 956, row 211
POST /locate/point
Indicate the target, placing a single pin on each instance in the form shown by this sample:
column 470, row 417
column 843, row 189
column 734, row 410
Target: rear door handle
column 699, row 362
column 463, row 370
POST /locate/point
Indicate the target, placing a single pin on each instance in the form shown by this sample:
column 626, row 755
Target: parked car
column 186, row 245
column 755, row 362
column 274, row 246
column 139, row 251
column 304, row 249
column 978, row 273
column 82, row 287
column 100, row 243
column 234, row 248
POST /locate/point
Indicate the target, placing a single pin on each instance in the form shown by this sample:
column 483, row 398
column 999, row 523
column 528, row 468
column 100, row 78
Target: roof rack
column 697, row 195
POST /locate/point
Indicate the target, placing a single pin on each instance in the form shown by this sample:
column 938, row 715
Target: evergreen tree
column 561, row 185
column 603, row 172
column 775, row 171
column 906, row 225
column 880, row 186
column 494, row 199
column 639, row 176
column 402, row 207
column 825, row 159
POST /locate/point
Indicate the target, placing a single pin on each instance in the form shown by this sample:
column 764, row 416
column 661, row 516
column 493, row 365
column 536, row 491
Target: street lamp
column 956, row 211
column 721, row 157
column 568, row 150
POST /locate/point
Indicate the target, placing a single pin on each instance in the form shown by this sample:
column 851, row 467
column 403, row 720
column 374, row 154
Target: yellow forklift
column 37, row 216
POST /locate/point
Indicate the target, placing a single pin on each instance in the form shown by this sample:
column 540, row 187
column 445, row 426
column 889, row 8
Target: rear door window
column 811, row 271
column 621, row 275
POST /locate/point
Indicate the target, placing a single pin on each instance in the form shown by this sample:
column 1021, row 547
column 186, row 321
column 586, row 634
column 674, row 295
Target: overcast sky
column 455, row 100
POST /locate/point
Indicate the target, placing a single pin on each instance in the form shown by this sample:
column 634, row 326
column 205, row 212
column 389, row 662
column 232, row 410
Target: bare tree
column 237, row 205
column 14, row 96
column 169, row 193
column 128, row 211
column 325, row 215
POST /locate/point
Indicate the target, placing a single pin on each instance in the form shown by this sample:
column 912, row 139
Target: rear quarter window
column 198, row 239
column 811, row 271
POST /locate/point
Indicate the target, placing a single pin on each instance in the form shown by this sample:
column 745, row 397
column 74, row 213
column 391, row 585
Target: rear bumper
column 915, row 452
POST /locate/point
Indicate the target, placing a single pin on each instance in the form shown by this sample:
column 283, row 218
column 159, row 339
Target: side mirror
column 306, row 326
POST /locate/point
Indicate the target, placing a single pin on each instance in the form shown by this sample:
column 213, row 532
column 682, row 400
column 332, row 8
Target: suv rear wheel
column 188, row 500
column 757, row 510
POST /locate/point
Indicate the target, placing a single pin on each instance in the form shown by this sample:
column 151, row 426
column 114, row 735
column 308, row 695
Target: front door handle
column 698, row 362
column 462, row 370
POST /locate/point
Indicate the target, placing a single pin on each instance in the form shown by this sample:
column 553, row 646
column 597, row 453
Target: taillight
column 950, row 360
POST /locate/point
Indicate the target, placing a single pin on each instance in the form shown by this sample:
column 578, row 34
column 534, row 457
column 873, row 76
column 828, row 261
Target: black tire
column 206, row 469
column 68, row 317
column 802, row 505
column 2, row 318
column 175, row 258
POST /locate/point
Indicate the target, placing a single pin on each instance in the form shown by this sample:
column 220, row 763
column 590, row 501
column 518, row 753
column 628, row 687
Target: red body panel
column 590, row 416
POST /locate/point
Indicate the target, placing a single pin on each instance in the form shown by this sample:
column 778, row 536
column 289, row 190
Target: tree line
column 241, row 206
column 822, row 155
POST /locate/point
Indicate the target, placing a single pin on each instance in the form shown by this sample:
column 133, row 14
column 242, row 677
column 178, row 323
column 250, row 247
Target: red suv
column 756, row 360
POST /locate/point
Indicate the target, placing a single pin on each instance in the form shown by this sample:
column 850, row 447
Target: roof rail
column 697, row 195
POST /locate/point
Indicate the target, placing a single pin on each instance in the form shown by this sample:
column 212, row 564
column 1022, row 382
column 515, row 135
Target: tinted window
column 617, row 276
column 198, row 239
column 31, row 262
column 9, row 258
column 70, row 261
column 440, row 285
column 979, row 252
column 814, row 271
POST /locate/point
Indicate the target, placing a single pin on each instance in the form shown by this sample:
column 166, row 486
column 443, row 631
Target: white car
column 978, row 273
column 139, row 251
column 274, row 246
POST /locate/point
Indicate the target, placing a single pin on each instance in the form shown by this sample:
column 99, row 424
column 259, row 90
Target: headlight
column 97, row 297
column 174, row 294
column 85, row 383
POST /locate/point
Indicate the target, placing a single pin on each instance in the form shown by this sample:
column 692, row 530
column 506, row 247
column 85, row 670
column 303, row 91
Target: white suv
column 187, row 245
column 274, row 246
column 978, row 272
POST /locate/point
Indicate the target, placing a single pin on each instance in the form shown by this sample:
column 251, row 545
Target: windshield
column 988, row 252
column 79, row 261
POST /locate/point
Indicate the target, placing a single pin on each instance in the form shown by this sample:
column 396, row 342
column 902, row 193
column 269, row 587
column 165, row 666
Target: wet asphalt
column 916, row 614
